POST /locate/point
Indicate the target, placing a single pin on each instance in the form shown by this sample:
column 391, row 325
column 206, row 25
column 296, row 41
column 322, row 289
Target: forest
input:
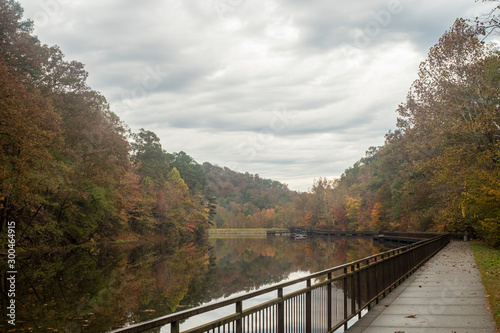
column 72, row 173
column 440, row 169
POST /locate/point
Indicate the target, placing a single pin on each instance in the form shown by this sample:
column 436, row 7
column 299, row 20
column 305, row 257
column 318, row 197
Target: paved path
column 444, row 296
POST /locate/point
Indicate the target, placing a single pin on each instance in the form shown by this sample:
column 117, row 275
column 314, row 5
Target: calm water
column 108, row 287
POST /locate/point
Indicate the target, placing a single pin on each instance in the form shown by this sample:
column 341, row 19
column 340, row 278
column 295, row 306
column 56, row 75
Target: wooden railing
column 321, row 302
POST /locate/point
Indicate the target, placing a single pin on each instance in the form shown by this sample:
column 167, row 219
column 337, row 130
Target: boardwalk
column 444, row 296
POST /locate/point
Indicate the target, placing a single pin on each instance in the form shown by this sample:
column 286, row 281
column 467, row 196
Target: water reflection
column 96, row 290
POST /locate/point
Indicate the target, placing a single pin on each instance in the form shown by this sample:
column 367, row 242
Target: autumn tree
column 27, row 166
column 439, row 170
column 450, row 123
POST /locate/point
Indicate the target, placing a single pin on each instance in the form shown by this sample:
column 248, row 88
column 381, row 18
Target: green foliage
column 191, row 172
column 149, row 156
column 245, row 200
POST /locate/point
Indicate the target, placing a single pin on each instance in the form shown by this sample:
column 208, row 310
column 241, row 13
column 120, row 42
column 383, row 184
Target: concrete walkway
column 444, row 296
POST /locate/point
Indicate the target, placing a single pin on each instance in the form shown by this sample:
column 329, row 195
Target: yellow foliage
column 352, row 206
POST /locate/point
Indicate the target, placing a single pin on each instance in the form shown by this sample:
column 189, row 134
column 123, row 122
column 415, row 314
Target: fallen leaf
column 411, row 316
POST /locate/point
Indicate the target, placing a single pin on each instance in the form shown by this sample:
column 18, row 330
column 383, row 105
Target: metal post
column 239, row 321
column 353, row 289
column 358, row 287
column 329, row 300
column 308, row 308
column 345, row 297
column 281, row 312
column 382, row 268
column 368, row 284
column 175, row 327
column 376, row 278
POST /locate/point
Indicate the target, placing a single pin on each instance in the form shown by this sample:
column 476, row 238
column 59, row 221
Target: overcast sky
column 287, row 89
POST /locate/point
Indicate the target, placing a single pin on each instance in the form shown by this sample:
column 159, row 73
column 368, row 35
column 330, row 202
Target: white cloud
column 287, row 89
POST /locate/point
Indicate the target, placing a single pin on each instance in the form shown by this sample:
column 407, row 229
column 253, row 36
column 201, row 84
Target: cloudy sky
column 292, row 90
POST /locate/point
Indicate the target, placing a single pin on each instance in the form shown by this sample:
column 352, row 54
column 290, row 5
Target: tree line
column 440, row 169
column 72, row 172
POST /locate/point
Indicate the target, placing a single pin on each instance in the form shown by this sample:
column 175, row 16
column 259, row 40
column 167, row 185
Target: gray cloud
column 290, row 90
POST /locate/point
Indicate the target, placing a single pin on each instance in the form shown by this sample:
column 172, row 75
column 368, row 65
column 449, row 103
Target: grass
column 488, row 262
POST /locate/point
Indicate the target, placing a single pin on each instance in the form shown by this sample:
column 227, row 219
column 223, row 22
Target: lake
column 95, row 290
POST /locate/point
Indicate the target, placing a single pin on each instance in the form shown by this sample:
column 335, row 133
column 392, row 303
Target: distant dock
column 248, row 232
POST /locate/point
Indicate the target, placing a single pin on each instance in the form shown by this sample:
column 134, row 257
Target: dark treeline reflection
column 95, row 290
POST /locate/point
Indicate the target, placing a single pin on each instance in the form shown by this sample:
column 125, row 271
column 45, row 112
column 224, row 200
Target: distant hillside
column 246, row 200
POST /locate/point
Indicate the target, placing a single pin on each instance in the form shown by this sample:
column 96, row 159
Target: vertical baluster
column 281, row 312
column 336, row 307
column 266, row 326
column 275, row 322
column 263, row 321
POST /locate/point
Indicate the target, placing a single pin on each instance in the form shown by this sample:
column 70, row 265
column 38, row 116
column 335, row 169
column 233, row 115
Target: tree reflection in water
column 96, row 290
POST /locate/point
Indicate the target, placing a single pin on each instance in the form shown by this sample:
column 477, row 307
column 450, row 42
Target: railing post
column 376, row 277
column 345, row 297
column 175, row 327
column 329, row 301
column 358, row 286
column 239, row 321
column 308, row 308
column 383, row 269
column 281, row 312
column 367, row 284
column 353, row 289
column 392, row 268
